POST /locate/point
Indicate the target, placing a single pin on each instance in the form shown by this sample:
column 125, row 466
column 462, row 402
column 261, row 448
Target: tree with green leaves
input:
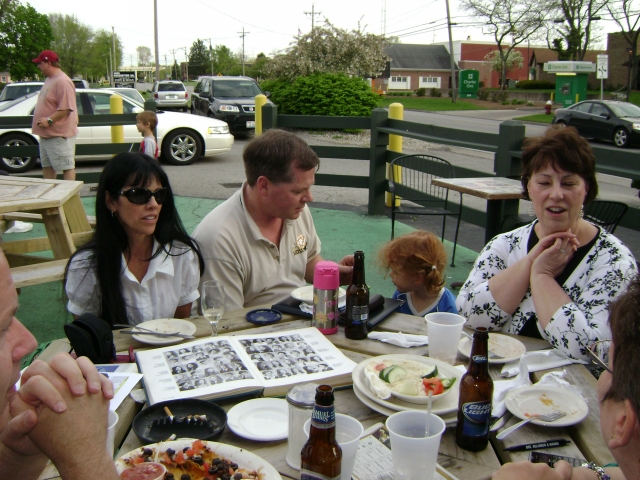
column 514, row 61
column 24, row 33
column 256, row 67
column 510, row 22
column 328, row 49
column 100, row 57
column 72, row 42
column 225, row 62
column 199, row 59
column 626, row 14
column 144, row 56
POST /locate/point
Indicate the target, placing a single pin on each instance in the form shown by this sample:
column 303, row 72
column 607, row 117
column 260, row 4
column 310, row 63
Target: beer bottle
column 321, row 456
column 476, row 394
column 357, row 301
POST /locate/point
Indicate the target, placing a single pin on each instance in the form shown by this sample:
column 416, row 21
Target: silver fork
column 550, row 417
column 493, row 355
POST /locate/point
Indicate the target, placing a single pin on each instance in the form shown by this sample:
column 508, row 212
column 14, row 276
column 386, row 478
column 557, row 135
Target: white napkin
column 540, row 360
column 400, row 339
column 502, row 387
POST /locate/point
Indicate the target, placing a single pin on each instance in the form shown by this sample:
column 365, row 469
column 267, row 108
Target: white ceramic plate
column 165, row 325
column 305, row 294
column 242, row 457
column 450, row 419
column 262, row 419
column 540, row 400
column 510, row 348
column 441, row 405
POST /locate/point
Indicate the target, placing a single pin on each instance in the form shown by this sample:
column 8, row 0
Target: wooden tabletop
column 21, row 194
column 489, row 188
column 585, row 437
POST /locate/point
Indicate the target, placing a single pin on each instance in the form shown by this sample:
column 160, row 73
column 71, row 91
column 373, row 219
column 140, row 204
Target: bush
column 535, row 85
column 481, row 84
column 505, row 103
column 435, row 92
column 421, row 92
column 483, row 94
column 323, row 94
column 499, row 97
column 530, row 104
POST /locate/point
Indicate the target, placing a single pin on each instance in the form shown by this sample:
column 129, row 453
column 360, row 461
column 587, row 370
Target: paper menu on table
column 374, row 462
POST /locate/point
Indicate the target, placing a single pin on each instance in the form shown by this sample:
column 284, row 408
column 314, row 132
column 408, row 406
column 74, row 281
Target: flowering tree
column 328, row 49
column 513, row 61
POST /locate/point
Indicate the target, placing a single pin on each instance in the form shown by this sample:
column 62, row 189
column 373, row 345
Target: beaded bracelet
column 599, row 471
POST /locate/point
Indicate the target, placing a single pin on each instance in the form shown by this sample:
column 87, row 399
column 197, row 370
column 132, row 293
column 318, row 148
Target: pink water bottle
column 326, row 285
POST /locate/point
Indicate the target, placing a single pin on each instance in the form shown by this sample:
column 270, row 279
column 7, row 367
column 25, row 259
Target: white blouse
column 170, row 282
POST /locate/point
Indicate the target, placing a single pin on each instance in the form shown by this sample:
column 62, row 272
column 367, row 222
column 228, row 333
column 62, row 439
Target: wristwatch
column 49, row 121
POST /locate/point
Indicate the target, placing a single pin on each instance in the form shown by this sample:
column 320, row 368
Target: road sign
column 124, row 79
column 602, row 70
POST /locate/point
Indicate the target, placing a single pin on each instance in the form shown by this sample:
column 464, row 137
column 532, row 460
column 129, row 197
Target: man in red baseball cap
column 55, row 118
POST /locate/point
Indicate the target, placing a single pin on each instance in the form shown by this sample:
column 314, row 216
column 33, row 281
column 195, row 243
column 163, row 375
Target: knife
column 158, row 334
column 499, row 423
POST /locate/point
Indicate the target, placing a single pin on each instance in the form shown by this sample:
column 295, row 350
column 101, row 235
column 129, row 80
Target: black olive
column 216, row 461
column 147, row 452
column 226, row 476
column 171, row 451
column 197, row 459
column 169, row 476
column 237, row 476
column 185, row 476
column 184, row 450
column 213, row 470
column 234, row 466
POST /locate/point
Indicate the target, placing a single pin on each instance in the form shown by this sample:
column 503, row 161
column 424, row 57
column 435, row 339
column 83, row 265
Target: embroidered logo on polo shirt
column 300, row 246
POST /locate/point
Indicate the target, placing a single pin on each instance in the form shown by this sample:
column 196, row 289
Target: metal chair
column 411, row 181
column 606, row 214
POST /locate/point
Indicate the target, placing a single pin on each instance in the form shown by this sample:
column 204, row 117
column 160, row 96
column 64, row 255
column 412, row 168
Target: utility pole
column 313, row 14
column 173, row 52
column 242, row 35
column 155, row 37
column 384, row 18
column 211, row 56
column 186, row 62
column 453, row 65
column 115, row 60
column 165, row 65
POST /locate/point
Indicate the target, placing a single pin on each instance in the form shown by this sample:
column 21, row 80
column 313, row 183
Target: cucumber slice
column 448, row 382
column 384, row 374
column 396, row 374
column 408, row 388
column 431, row 372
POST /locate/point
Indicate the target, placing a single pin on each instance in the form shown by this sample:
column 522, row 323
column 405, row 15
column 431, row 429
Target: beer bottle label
column 323, row 417
column 359, row 314
column 309, row 475
column 480, row 358
column 477, row 416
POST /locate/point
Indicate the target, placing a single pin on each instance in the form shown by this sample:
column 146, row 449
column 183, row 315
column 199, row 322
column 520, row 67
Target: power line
column 313, row 14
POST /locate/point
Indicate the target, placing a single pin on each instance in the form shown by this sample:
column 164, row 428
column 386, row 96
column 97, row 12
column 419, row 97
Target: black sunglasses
column 140, row 196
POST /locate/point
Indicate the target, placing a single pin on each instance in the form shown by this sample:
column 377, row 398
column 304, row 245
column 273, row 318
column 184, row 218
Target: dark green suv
column 230, row 99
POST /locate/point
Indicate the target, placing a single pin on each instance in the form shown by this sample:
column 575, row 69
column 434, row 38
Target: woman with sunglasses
column 140, row 264
column 619, row 398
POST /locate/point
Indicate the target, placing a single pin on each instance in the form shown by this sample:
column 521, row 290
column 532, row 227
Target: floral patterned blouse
column 599, row 278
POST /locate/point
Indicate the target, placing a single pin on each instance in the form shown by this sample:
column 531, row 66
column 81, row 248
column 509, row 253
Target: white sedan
column 182, row 138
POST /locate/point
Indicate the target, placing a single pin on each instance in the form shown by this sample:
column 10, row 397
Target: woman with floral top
column 555, row 277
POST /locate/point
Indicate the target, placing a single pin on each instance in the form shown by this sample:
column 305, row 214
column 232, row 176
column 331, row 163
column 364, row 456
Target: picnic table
column 585, row 437
column 56, row 204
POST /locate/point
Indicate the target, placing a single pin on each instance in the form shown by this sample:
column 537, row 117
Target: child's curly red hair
column 414, row 254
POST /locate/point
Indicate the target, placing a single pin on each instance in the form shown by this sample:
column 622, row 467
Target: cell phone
column 550, row 459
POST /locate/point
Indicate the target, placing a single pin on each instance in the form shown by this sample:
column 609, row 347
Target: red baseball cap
column 48, row 55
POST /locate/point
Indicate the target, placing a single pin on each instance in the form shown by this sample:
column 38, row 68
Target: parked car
column 231, row 99
column 614, row 121
column 80, row 83
column 131, row 93
column 171, row 94
column 12, row 91
column 182, row 139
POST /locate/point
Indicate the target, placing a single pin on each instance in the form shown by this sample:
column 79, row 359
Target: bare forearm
column 89, row 468
column 60, row 115
column 548, row 297
column 509, row 286
column 309, row 269
column 20, row 466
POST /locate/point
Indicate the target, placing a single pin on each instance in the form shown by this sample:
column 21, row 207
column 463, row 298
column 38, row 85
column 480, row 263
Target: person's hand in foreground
column 534, row 471
column 345, row 267
column 62, row 408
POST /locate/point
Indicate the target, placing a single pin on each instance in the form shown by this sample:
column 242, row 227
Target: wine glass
column 212, row 301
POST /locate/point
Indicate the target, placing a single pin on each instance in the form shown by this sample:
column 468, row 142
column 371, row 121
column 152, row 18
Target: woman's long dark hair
column 110, row 240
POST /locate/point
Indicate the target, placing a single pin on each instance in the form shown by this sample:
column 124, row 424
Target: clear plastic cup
column 444, row 330
column 111, row 431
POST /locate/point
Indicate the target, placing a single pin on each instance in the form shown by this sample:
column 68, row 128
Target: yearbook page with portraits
column 218, row 367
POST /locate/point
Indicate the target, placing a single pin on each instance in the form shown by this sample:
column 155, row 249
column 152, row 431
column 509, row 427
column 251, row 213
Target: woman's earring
column 581, row 214
column 113, row 213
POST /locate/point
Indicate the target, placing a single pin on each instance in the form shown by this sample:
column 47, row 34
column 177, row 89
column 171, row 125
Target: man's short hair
column 275, row 154
column 148, row 117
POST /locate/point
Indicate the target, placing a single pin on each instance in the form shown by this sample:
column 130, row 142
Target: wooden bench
column 36, row 218
column 38, row 273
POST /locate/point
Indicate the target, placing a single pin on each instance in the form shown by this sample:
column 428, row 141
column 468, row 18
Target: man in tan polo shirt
column 55, row 118
column 261, row 243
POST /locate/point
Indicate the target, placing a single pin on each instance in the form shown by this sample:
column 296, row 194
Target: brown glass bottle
column 357, row 312
column 476, row 394
column 321, row 456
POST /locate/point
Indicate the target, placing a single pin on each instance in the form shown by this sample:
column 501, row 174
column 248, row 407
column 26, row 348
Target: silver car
column 171, row 94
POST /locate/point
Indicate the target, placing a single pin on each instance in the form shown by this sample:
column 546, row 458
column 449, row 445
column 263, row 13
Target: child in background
column 146, row 123
column 415, row 263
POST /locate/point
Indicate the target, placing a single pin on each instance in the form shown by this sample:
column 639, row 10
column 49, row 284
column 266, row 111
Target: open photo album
column 217, row 367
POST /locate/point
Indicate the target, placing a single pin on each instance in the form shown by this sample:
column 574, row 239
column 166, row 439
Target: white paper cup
column 414, row 455
column 348, row 433
column 444, row 330
column 111, row 432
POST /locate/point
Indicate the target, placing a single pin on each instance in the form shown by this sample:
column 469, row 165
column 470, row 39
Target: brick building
column 617, row 48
